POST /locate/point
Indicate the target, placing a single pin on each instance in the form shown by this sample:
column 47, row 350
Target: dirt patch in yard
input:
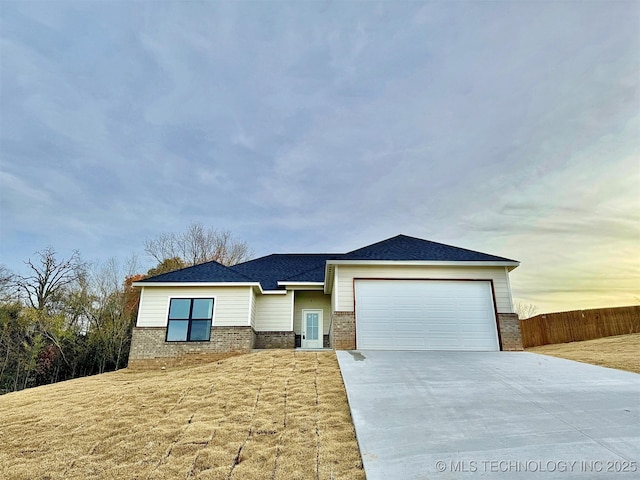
column 619, row 352
column 268, row 415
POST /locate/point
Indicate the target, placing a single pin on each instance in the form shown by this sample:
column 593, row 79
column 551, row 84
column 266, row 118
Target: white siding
column 344, row 282
column 273, row 313
column 506, row 272
column 312, row 300
column 231, row 306
column 252, row 299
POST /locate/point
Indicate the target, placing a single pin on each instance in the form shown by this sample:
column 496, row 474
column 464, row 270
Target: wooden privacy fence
column 579, row 325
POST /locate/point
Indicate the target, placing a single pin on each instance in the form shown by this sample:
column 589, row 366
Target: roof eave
column 328, row 277
column 439, row 263
column 197, row 284
column 302, row 285
column 255, row 285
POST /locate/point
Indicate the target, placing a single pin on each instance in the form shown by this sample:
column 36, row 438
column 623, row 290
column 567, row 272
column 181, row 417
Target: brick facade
column 188, row 359
column 275, row 340
column 149, row 348
column 326, row 341
column 510, row 332
column 343, row 330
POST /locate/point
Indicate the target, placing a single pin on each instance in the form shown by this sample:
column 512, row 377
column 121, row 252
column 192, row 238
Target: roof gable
column 204, row 272
column 403, row 247
column 277, row 267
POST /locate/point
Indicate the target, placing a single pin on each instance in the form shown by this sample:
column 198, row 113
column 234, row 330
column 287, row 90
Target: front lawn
column 621, row 351
column 276, row 414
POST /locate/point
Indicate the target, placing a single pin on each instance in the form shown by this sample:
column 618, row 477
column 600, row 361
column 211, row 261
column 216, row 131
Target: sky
column 507, row 127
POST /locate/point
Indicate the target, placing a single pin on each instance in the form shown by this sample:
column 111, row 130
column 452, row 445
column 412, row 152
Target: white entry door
column 312, row 329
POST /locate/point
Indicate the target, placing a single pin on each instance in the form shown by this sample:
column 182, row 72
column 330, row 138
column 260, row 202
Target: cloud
column 510, row 129
column 15, row 188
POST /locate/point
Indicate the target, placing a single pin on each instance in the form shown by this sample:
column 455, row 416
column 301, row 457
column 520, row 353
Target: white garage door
column 425, row 315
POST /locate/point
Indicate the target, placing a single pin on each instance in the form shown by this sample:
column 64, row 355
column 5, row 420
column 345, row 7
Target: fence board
column 577, row 325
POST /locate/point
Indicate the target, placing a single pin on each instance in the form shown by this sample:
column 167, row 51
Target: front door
column 312, row 329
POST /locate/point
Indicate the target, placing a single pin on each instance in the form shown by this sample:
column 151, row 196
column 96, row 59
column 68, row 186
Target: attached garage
column 425, row 315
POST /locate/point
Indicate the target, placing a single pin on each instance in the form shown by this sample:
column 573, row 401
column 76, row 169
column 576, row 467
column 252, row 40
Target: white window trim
column 140, row 308
column 303, row 328
column 293, row 295
column 335, row 289
column 506, row 274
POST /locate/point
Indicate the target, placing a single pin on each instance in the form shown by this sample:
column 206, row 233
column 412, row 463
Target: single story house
column 402, row 293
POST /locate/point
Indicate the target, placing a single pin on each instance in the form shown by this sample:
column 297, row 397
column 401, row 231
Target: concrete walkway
column 492, row 415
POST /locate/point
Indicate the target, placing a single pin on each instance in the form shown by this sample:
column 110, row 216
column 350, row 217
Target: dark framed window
column 189, row 319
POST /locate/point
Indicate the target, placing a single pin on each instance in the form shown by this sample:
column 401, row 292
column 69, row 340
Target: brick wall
column 275, row 340
column 326, row 340
column 343, row 330
column 191, row 358
column 510, row 332
column 148, row 346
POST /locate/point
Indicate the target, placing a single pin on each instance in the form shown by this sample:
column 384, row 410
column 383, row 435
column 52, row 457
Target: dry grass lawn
column 267, row 415
column 621, row 352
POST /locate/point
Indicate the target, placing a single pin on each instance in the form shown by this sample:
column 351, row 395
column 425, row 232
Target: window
column 189, row 319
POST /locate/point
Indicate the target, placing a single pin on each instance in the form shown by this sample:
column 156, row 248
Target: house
column 402, row 293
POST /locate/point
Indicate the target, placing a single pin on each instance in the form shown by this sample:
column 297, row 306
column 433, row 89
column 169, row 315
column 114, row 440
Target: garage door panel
column 471, row 302
column 442, row 340
column 441, row 327
column 406, row 317
column 411, row 313
column 407, row 332
column 444, row 316
column 425, row 315
column 473, row 329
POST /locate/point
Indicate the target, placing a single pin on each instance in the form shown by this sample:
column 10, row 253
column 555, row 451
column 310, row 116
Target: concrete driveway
column 492, row 415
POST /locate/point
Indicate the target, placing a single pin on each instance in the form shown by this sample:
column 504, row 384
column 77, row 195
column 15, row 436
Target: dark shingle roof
column 310, row 267
column 279, row 267
column 313, row 275
column 403, row 247
column 205, row 272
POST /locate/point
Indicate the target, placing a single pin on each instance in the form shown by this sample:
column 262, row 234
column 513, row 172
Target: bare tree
column 49, row 278
column 198, row 245
column 7, row 285
column 107, row 310
column 526, row 310
column 46, row 289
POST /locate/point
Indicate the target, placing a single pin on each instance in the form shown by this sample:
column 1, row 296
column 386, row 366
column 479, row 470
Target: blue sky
column 506, row 127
